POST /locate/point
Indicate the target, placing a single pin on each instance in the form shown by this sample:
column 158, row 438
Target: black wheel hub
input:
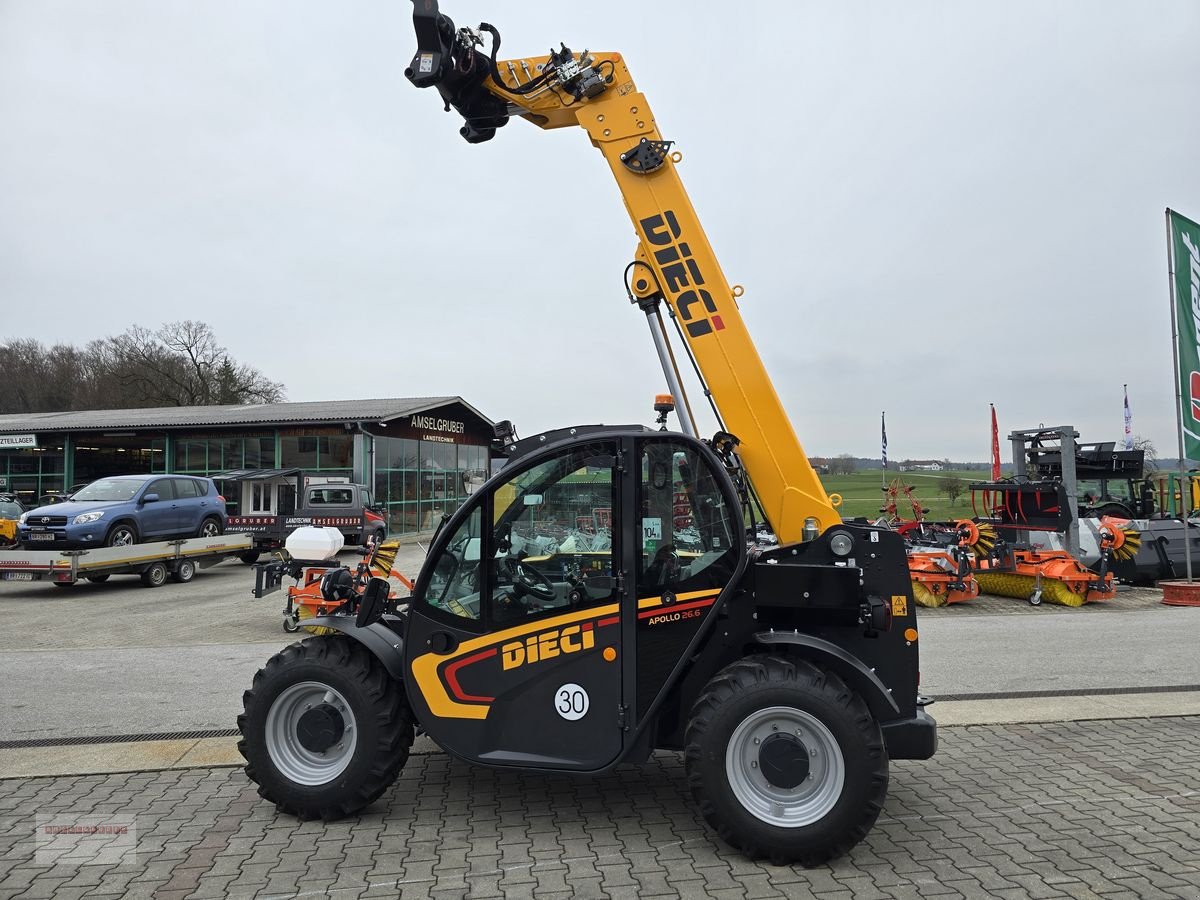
column 320, row 728
column 783, row 760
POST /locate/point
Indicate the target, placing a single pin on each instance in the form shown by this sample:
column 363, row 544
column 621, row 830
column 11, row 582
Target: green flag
column 1185, row 283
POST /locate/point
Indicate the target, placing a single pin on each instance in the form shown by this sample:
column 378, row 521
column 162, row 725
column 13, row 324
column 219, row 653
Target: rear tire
column 325, row 729
column 97, row 579
column 210, row 527
column 785, row 761
column 155, row 575
column 250, row 557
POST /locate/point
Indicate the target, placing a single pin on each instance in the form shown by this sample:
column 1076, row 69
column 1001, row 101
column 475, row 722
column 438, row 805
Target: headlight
column 84, row 518
column 21, row 521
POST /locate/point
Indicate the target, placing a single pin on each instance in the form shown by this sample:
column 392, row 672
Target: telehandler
column 787, row 674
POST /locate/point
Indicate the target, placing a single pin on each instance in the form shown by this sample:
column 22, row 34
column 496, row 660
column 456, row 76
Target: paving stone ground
column 1086, row 809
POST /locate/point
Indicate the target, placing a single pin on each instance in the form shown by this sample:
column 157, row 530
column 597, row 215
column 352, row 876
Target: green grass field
column 861, row 494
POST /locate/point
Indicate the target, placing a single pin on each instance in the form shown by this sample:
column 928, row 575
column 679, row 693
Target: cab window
column 552, row 535
column 688, row 529
column 537, row 542
column 454, row 584
column 330, row 496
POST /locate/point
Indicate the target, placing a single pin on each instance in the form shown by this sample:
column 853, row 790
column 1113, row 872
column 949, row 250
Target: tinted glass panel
column 185, row 488
column 164, row 487
column 454, row 585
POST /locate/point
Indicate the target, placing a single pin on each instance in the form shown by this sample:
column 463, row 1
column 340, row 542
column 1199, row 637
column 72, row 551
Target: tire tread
column 733, row 682
column 389, row 710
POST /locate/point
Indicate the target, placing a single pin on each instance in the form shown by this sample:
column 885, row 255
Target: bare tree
column 843, row 464
column 1149, row 451
column 180, row 364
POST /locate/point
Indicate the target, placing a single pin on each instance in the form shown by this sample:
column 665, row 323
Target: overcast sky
column 932, row 205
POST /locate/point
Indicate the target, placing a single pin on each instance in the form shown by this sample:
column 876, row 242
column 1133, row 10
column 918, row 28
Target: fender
column 850, row 668
column 385, row 644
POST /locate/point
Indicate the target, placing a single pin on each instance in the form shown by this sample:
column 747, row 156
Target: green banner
column 1185, row 257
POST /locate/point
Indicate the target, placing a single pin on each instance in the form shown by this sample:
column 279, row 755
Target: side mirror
column 150, row 498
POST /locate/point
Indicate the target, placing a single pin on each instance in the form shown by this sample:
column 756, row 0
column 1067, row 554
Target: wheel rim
column 158, row 574
column 122, row 537
column 209, row 529
column 187, row 570
column 813, row 756
column 297, row 758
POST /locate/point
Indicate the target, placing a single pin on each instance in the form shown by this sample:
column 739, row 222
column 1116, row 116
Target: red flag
column 995, row 447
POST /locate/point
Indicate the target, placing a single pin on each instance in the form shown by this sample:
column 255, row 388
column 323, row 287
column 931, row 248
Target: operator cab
column 536, row 619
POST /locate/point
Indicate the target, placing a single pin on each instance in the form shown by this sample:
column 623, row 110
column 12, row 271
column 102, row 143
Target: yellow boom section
column 675, row 247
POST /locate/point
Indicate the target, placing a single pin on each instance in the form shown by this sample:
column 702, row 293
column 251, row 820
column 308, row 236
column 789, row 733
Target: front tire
column 121, row 535
column 785, row 761
column 325, row 729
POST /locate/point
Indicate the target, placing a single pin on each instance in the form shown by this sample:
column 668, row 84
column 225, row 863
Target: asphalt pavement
column 119, row 658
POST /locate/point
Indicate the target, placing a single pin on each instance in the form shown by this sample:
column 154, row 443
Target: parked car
column 272, row 503
column 60, row 496
column 127, row 509
column 10, row 512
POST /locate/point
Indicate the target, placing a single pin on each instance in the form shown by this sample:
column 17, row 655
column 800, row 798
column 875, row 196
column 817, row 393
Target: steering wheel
column 528, row 580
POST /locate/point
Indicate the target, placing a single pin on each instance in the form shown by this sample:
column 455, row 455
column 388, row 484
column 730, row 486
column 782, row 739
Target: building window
column 420, row 481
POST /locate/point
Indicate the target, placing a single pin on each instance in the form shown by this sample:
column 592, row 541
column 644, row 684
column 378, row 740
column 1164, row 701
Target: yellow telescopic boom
column 674, row 260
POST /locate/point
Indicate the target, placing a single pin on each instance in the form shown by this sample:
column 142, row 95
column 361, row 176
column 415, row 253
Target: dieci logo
column 681, row 271
column 548, row 645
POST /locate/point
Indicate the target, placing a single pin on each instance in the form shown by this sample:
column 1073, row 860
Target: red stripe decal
column 659, row 610
column 611, row 620
column 451, row 675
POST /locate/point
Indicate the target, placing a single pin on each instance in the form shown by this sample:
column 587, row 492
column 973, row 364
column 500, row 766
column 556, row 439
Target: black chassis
column 853, row 615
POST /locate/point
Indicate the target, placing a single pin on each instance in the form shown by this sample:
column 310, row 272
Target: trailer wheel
column 184, row 572
column 325, row 729
column 155, row 575
column 250, row 557
column 785, row 761
column 97, row 579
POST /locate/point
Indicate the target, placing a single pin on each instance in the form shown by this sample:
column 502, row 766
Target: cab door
column 514, row 636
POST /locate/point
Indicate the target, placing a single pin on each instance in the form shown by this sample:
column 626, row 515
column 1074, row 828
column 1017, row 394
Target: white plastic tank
column 310, row 543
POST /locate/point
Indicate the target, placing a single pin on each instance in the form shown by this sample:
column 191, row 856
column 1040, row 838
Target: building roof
column 366, row 411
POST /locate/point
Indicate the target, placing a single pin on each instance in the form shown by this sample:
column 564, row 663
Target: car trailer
column 155, row 563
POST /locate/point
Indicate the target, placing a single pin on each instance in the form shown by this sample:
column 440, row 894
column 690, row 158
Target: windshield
column 9, row 510
column 108, row 490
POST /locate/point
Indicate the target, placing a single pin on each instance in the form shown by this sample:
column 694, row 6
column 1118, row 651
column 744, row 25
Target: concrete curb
column 206, row 753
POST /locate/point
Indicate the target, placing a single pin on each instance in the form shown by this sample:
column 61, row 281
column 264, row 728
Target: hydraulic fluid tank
column 313, row 544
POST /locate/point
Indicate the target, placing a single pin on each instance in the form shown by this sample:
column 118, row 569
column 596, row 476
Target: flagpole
column 1184, row 485
column 883, row 453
